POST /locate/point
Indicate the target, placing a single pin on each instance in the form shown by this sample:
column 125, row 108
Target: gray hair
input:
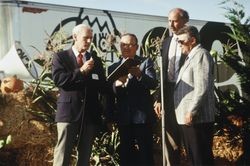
column 132, row 35
column 191, row 31
column 79, row 27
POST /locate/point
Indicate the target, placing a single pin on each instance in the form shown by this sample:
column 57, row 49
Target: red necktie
column 80, row 60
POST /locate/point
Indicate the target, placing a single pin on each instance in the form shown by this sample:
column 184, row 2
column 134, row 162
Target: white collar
column 175, row 37
column 75, row 51
column 193, row 50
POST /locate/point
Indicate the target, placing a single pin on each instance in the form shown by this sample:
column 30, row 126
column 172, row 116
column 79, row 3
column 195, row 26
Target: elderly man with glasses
column 194, row 98
column 132, row 105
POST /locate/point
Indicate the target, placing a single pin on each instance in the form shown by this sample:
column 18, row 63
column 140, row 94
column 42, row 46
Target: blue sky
column 209, row 10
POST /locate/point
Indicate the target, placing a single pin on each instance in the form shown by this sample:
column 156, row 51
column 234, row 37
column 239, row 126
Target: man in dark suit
column 80, row 78
column 132, row 105
column 172, row 60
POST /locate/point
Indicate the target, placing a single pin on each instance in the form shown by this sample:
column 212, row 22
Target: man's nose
column 89, row 40
column 171, row 23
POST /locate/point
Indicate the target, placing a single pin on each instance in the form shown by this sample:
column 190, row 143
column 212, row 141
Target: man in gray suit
column 194, row 98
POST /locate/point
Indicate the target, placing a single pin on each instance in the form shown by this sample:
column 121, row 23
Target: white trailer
column 26, row 27
column 31, row 24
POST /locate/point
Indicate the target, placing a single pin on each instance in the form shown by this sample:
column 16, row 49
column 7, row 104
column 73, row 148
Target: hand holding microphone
column 87, row 66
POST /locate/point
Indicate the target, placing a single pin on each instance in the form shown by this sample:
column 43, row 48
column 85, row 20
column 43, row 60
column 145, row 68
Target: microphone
column 93, row 55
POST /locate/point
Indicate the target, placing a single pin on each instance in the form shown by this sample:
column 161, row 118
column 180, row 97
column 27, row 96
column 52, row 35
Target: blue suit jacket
column 78, row 94
column 134, row 103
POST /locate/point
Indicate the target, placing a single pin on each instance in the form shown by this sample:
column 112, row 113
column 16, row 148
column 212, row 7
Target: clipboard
column 122, row 69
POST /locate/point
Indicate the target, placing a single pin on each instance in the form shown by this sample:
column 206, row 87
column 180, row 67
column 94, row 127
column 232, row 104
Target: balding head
column 183, row 14
column 177, row 19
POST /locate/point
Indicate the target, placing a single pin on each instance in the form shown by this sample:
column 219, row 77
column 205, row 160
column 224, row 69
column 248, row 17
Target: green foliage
column 5, row 142
column 234, row 112
column 105, row 149
column 106, row 144
column 44, row 91
column 237, row 55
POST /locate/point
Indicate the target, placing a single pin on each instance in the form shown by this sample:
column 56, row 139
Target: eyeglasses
column 85, row 38
column 127, row 45
column 182, row 42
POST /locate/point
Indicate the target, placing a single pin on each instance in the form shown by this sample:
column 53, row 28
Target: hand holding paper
column 123, row 69
column 121, row 81
column 135, row 71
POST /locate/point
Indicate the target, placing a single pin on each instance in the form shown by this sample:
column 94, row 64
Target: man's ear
column 74, row 37
column 137, row 46
column 193, row 41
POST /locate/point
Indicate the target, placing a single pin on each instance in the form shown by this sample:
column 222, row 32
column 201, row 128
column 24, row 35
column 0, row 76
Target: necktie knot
column 80, row 60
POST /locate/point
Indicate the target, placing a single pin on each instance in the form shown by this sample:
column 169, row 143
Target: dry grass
column 33, row 140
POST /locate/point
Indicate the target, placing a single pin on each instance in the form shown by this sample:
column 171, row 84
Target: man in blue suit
column 80, row 77
column 132, row 105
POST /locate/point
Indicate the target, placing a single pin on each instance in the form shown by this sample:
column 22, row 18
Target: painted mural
column 213, row 36
column 108, row 26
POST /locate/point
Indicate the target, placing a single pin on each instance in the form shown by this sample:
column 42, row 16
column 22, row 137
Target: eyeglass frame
column 183, row 42
column 127, row 45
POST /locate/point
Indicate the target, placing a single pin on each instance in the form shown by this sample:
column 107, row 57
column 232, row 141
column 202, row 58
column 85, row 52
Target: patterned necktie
column 80, row 60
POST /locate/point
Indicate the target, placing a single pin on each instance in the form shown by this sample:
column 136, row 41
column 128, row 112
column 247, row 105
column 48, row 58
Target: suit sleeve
column 63, row 75
column 148, row 78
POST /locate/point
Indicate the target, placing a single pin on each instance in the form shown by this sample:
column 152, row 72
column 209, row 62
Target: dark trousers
column 198, row 141
column 173, row 138
column 136, row 145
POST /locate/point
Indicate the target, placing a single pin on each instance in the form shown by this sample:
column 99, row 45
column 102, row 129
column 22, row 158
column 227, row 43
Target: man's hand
column 87, row 66
column 121, row 81
column 135, row 71
column 188, row 118
column 157, row 109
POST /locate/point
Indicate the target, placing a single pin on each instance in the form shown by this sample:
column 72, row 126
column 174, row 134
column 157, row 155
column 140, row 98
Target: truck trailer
column 27, row 27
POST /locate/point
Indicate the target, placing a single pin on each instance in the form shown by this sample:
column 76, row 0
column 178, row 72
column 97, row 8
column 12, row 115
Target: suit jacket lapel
column 164, row 54
column 186, row 64
column 70, row 60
